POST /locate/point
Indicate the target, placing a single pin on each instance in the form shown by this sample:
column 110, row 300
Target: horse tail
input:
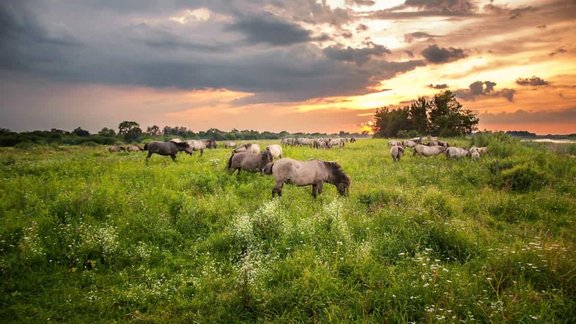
column 229, row 165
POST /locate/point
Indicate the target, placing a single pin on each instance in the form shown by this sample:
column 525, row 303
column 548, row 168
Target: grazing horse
column 424, row 150
column 197, row 145
column 396, row 152
column 134, row 148
column 230, row 144
column 456, row 152
column 209, row 143
column 250, row 148
column 304, row 173
column 116, row 148
column 275, row 150
column 167, row 148
column 249, row 161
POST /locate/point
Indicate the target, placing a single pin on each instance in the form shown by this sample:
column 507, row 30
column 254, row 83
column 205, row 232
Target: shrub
column 524, row 178
column 24, row 145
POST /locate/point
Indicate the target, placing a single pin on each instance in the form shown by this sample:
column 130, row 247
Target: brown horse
column 248, row 161
column 167, row 148
column 304, row 173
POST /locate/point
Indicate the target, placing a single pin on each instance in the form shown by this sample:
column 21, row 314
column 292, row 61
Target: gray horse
column 304, row 173
column 167, row 148
column 424, row 150
column 396, row 152
column 116, row 148
column 249, row 161
column 249, row 148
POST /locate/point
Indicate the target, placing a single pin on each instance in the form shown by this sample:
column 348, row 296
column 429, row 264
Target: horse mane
column 336, row 172
column 181, row 144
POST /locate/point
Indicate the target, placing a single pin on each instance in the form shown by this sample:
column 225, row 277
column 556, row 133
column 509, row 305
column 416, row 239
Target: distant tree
column 153, row 130
column 419, row 115
column 107, row 132
column 442, row 115
column 129, row 130
column 81, row 132
column 389, row 122
column 521, row 133
column 448, row 118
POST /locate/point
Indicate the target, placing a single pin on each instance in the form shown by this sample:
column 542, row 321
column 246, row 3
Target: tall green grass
column 89, row 236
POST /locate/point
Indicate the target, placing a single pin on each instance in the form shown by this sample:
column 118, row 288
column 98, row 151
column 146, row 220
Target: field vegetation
column 89, row 236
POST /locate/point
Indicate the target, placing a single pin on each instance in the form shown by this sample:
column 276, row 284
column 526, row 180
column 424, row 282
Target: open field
column 89, row 236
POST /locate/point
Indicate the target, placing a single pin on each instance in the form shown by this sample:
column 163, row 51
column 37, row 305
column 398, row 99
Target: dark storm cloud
column 408, row 38
column 356, row 55
column 558, row 51
column 270, row 29
column 362, row 28
column 438, row 86
column 515, row 13
column 427, row 8
column 332, row 78
column 461, row 7
column 360, row 2
column 435, row 54
column 533, row 81
column 484, row 89
column 536, row 117
column 128, row 43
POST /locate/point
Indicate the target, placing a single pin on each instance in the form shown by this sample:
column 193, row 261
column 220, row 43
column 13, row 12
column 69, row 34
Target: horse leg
column 277, row 189
column 319, row 187
column 173, row 156
column 314, row 190
column 148, row 157
column 201, row 152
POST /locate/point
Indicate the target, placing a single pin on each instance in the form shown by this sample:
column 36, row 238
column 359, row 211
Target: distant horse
column 304, row 173
column 250, row 148
column 249, row 161
column 197, row 145
column 134, row 148
column 167, row 148
column 456, row 152
column 209, row 143
column 116, row 148
column 230, row 144
column 275, row 150
column 424, row 150
column 396, row 152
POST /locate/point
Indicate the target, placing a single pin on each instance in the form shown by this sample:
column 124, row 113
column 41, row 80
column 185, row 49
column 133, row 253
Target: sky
column 283, row 65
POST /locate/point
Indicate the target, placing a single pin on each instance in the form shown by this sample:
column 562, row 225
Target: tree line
column 131, row 132
column 441, row 115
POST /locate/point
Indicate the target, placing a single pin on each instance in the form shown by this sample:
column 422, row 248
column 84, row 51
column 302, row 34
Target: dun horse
column 305, row 173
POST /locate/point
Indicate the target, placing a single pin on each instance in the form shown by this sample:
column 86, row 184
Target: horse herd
column 432, row 148
column 271, row 161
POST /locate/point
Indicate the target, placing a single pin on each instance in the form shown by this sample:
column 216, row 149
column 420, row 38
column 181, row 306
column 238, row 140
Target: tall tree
column 442, row 115
column 129, row 130
column 107, row 132
column 81, row 132
column 389, row 122
column 419, row 115
column 153, row 130
column 448, row 118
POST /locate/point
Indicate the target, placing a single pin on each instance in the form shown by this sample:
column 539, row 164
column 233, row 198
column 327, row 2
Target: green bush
column 524, row 178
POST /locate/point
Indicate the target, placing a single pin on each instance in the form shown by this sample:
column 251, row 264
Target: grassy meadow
column 90, row 236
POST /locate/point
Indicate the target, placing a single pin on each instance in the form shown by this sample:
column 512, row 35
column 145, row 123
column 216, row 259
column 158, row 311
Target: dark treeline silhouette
column 130, row 132
column 441, row 115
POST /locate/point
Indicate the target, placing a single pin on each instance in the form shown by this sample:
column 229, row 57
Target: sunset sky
column 294, row 65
